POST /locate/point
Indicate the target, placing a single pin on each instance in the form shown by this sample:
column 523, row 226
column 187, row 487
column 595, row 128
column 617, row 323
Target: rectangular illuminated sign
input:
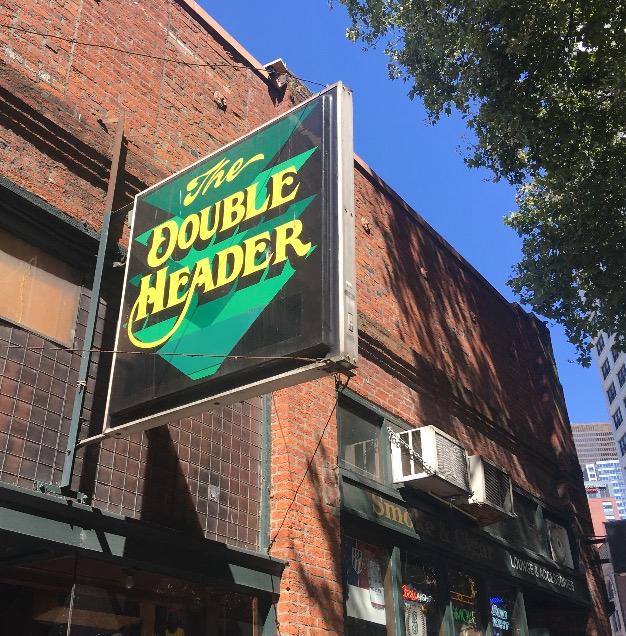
column 240, row 273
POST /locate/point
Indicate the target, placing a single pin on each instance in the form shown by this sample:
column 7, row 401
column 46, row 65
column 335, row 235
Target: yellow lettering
column 287, row 234
column 393, row 513
column 188, row 231
column 205, row 232
column 164, row 233
column 178, row 280
column 149, row 295
column 234, row 169
column 223, row 275
column 377, row 505
column 216, row 176
column 202, row 276
column 253, row 246
column 233, row 210
column 201, row 183
column 281, row 180
column 251, row 209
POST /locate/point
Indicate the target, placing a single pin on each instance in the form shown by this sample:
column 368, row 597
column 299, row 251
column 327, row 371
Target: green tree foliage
column 541, row 83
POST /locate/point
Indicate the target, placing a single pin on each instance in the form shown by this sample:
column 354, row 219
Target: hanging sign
column 240, row 272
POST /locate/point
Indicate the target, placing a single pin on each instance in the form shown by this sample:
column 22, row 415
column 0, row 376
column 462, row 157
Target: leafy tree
column 541, row 83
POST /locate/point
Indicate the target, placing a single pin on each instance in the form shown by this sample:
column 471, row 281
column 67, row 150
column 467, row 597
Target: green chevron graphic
column 206, row 323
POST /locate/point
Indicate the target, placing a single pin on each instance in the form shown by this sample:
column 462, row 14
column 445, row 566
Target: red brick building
column 602, row 506
column 281, row 514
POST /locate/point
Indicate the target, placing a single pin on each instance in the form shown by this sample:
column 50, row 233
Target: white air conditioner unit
column 559, row 544
column 492, row 493
column 442, row 469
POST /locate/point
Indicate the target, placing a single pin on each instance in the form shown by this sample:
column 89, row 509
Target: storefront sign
column 456, row 537
column 499, row 618
column 240, row 270
column 463, row 615
column 385, row 509
column 541, row 573
column 411, row 594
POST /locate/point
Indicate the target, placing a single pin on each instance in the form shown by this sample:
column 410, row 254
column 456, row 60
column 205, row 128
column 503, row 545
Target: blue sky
column 421, row 162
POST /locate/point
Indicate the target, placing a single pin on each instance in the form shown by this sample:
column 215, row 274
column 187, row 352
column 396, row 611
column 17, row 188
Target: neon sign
column 411, row 594
column 500, row 617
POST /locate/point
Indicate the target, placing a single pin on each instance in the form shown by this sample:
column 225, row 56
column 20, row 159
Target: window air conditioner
column 559, row 544
column 442, row 469
column 492, row 493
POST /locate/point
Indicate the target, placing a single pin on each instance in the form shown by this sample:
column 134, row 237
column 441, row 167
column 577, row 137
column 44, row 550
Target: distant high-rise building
column 594, row 442
column 597, row 454
column 612, row 366
column 602, row 505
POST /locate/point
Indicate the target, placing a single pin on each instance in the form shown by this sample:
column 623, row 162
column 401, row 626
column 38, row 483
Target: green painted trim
column 374, row 408
column 54, row 523
column 266, row 473
column 396, row 582
column 371, row 484
column 39, row 203
column 269, row 626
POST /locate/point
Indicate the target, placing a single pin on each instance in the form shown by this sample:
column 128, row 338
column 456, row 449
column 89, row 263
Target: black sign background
column 300, row 321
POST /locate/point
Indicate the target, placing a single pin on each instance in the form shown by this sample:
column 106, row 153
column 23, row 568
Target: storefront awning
column 36, row 527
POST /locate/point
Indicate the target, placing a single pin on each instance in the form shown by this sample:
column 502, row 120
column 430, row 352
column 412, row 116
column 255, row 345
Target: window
column 611, row 393
column 360, row 436
column 600, row 344
column 528, row 529
column 605, row 368
column 419, row 596
column 622, row 445
column 365, row 568
column 618, row 418
column 621, row 375
column 465, row 602
column 506, row 611
column 614, row 353
column 37, row 291
column 607, row 508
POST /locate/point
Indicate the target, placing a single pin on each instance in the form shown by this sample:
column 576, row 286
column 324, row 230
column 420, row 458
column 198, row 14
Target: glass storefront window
column 360, row 432
column 465, row 604
column 506, row 612
column 368, row 601
column 34, row 611
column 527, row 529
column 124, row 603
column 419, row 597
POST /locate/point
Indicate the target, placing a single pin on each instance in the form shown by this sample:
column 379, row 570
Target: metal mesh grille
column 496, row 486
column 452, row 462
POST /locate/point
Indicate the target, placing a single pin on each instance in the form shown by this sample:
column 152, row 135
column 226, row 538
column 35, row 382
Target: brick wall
column 57, row 95
column 200, row 474
column 437, row 343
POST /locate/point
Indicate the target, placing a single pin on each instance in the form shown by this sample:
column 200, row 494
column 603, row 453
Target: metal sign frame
column 345, row 356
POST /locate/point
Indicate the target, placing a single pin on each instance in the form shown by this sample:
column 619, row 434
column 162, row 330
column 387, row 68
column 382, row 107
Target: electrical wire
column 165, row 355
column 158, row 58
column 338, row 384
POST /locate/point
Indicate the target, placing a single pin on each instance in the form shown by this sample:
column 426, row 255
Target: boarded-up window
column 37, row 291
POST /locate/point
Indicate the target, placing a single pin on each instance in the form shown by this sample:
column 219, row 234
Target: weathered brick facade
column 437, row 343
